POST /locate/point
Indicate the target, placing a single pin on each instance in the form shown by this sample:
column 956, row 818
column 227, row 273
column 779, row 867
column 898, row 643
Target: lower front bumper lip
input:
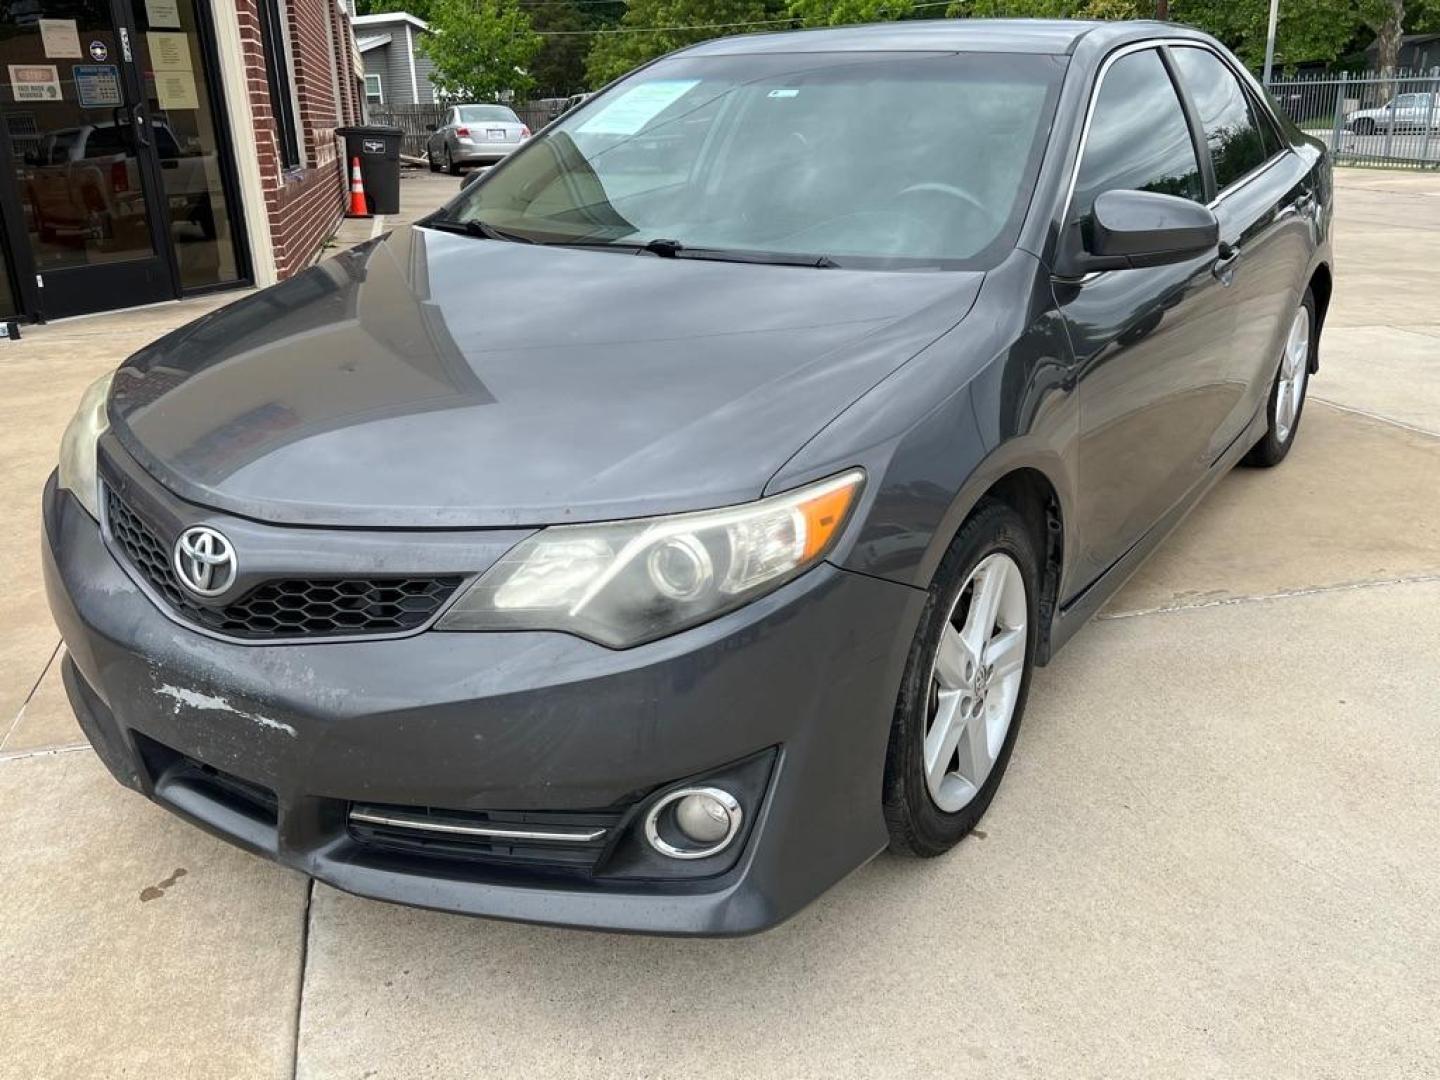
column 527, row 723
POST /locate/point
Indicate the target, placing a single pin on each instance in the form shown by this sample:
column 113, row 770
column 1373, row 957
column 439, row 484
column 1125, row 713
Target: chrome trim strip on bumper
column 493, row 832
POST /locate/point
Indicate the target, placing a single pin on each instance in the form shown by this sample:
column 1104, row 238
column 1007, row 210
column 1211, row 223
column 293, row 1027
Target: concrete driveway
column 1216, row 853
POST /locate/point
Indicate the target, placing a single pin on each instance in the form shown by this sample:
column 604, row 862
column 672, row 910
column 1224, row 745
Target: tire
column 450, row 166
column 997, row 537
column 1279, row 435
column 430, row 160
column 1365, row 126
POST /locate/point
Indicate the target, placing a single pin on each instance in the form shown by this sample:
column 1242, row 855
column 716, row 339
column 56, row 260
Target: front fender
column 941, row 430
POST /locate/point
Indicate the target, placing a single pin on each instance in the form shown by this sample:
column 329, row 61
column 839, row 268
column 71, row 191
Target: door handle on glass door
column 142, row 135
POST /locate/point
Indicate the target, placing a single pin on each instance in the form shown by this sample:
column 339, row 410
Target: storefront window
column 187, row 141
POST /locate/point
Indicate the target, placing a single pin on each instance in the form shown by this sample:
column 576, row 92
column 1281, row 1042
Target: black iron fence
column 1369, row 118
column 417, row 121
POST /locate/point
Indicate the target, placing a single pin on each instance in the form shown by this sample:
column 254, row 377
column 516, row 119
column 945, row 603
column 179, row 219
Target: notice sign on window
column 97, row 85
column 163, row 12
column 176, row 90
column 168, row 52
column 60, row 38
column 35, row 82
column 633, row 109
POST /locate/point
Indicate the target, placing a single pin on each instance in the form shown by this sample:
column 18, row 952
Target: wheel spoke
column 984, row 604
column 945, row 730
column 975, row 756
column 1005, row 654
column 954, row 663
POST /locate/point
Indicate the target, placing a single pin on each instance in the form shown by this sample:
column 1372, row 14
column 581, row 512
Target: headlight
column 77, row 446
column 621, row 583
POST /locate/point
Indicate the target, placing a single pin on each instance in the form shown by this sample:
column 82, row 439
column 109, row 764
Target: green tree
column 652, row 28
column 1307, row 30
column 419, row 8
column 480, row 48
column 559, row 67
column 1387, row 19
column 845, row 12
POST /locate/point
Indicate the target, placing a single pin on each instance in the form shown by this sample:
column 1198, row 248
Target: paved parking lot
column 1215, row 855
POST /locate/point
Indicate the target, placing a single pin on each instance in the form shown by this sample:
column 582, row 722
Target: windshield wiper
column 476, row 227
column 674, row 249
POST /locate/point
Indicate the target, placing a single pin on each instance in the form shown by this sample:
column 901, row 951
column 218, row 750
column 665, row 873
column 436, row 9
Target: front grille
column 535, row 839
column 284, row 607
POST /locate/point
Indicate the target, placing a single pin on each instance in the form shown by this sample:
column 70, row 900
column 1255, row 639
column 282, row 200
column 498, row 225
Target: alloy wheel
column 1294, row 371
column 975, row 681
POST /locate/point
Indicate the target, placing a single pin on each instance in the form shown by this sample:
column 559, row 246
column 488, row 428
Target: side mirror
column 1128, row 229
column 432, row 127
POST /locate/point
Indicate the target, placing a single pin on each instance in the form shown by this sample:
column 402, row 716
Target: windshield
column 479, row 114
column 873, row 159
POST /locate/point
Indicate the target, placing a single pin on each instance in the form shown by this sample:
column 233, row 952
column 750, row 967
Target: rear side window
column 1235, row 139
column 1138, row 139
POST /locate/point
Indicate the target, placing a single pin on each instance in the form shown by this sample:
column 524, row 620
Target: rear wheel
column 1287, row 393
column 430, row 160
column 1365, row 126
column 450, row 166
column 965, row 685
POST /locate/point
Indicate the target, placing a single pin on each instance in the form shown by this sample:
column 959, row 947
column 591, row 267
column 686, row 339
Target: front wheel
column 1287, row 393
column 965, row 685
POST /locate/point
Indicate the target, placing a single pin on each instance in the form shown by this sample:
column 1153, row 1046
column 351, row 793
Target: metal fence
column 417, row 121
column 1368, row 119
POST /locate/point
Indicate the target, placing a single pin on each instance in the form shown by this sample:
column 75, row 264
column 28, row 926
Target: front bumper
column 805, row 678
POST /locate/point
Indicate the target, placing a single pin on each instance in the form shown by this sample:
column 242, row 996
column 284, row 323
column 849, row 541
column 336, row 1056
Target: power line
column 708, row 26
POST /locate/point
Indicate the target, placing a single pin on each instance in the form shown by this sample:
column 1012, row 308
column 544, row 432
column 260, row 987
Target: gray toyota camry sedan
column 672, row 522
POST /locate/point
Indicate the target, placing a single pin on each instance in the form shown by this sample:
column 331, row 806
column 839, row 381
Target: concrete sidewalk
column 1215, row 854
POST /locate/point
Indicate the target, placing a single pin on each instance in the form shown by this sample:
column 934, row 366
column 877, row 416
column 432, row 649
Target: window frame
column 1198, row 146
column 275, row 50
column 1163, row 46
column 1259, row 112
column 379, row 98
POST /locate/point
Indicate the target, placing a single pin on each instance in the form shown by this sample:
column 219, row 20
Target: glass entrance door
column 82, row 182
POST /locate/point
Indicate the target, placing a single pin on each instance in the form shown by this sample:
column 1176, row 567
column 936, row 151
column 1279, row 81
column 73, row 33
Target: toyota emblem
column 204, row 561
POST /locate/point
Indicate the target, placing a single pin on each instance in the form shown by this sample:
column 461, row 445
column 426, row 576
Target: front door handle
column 1224, row 268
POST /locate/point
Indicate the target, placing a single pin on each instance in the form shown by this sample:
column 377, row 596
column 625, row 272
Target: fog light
column 693, row 822
column 703, row 818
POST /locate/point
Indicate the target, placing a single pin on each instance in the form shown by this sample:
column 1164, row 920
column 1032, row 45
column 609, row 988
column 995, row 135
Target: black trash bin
column 378, row 150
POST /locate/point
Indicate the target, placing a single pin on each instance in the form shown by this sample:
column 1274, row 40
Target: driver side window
column 1138, row 138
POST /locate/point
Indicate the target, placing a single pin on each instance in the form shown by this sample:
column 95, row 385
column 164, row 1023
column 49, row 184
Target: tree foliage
column 613, row 54
column 480, row 48
column 1307, row 30
column 845, row 12
column 559, row 67
column 419, row 8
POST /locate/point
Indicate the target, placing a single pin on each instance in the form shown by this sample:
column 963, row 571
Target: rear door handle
column 1224, row 267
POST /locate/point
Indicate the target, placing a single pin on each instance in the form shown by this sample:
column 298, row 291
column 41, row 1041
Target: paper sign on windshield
column 633, row 109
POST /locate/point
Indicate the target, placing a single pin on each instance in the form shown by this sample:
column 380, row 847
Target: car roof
column 1046, row 36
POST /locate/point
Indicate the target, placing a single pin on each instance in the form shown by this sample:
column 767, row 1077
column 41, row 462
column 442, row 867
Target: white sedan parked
column 474, row 135
column 1407, row 112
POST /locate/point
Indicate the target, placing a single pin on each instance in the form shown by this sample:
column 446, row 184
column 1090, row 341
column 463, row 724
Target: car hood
column 432, row 379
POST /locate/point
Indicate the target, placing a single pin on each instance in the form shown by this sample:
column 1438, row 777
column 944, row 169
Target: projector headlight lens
column 626, row 582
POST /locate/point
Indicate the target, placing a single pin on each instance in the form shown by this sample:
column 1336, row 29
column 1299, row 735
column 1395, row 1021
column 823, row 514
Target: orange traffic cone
column 357, row 191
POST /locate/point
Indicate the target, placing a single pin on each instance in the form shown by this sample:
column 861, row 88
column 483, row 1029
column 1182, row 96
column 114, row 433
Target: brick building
column 153, row 149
